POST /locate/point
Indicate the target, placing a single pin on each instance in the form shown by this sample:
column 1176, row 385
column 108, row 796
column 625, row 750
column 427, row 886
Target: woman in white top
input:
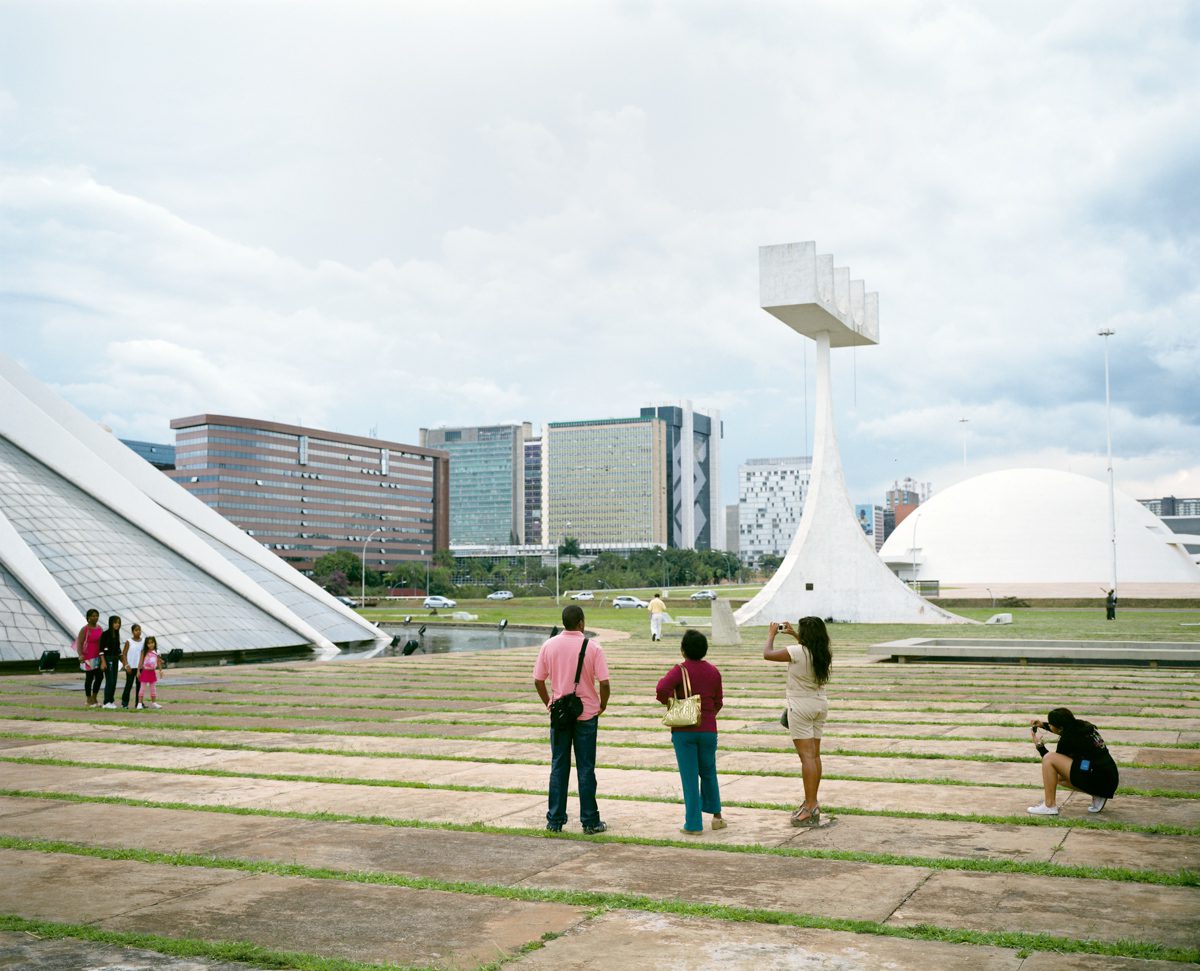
column 131, row 657
column 808, row 669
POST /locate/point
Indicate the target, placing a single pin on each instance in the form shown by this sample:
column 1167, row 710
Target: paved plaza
column 390, row 813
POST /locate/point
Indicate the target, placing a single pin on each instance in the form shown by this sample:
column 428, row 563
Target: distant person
column 148, row 672
column 558, row 661
column 1110, row 605
column 658, row 611
column 110, row 658
column 87, row 646
column 808, row 664
column 1081, row 761
column 131, row 658
column 696, row 745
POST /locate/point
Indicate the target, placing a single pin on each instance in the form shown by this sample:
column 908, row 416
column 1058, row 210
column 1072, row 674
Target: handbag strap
column 687, row 684
column 579, row 666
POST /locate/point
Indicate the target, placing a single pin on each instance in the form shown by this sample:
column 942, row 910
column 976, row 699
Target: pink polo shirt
column 556, row 663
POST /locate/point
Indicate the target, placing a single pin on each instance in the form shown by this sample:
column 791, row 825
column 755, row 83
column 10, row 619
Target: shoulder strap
column 687, row 683
column 579, row 666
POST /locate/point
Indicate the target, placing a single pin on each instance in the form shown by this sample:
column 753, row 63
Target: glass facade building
column 303, row 492
column 771, row 495
column 696, row 518
column 533, row 490
column 487, row 481
column 605, row 482
column 162, row 457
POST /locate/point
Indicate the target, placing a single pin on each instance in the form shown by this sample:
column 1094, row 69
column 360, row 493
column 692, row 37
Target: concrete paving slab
column 27, row 952
column 1137, row 851
column 1091, row 909
column 625, row 939
column 831, row 888
column 15, row 806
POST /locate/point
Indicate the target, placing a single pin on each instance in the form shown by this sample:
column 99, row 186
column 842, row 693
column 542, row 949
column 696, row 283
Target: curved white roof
column 1036, row 526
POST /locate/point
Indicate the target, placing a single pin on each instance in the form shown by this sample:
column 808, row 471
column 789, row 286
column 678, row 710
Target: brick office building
column 304, row 492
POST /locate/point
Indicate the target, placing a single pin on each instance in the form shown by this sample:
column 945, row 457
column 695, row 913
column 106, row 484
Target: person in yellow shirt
column 658, row 610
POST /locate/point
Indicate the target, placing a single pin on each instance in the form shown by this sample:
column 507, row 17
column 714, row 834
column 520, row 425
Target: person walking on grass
column 559, row 661
column 87, row 646
column 808, row 661
column 131, row 659
column 148, row 673
column 696, row 745
column 657, row 610
column 110, row 659
column 1082, row 761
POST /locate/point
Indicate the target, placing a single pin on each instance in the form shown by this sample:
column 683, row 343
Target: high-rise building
column 162, row 457
column 604, row 482
column 731, row 528
column 487, row 481
column 903, row 497
column 771, row 494
column 303, row 492
column 870, row 518
column 533, row 490
column 695, row 519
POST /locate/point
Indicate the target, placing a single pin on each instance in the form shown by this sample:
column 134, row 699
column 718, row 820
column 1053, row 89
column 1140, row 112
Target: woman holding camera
column 808, row 664
column 1082, row 761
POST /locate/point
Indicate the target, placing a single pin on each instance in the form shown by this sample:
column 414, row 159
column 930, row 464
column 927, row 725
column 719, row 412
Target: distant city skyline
column 509, row 224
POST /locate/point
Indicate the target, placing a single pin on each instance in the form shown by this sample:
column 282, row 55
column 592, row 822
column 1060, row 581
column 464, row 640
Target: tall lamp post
column 557, row 558
column 362, row 595
column 426, row 559
column 963, row 422
column 1112, row 492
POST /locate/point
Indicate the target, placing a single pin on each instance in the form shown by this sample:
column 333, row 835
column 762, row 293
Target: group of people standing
column 103, row 654
column 573, row 663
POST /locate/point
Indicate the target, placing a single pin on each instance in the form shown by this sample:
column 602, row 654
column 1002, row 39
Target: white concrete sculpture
column 831, row 569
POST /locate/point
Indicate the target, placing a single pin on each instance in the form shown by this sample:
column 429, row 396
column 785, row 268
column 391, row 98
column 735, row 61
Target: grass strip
column 1154, row 793
column 190, row 947
column 593, row 899
column 1021, row 820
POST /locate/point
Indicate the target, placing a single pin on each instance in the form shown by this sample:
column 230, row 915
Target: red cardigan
column 706, row 682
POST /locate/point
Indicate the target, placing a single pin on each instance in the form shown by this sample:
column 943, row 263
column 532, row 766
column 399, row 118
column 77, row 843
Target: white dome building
column 1040, row 533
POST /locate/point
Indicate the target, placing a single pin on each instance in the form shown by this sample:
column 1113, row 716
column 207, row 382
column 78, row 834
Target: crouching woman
column 1081, row 761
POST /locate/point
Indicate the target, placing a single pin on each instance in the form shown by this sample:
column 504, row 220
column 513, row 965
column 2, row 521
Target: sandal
column 806, row 817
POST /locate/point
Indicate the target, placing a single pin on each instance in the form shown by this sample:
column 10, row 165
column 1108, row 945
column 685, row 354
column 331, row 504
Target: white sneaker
column 155, row 704
column 140, row 706
column 110, row 706
column 1041, row 809
column 1098, row 803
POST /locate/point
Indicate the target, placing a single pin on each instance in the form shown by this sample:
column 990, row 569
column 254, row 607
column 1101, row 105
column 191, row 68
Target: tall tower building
column 903, row 497
column 605, row 482
column 533, row 490
column 487, row 481
column 303, row 492
column 771, row 494
column 696, row 517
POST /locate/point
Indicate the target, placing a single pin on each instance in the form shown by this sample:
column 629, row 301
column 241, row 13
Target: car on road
column 438, row 603
column 500, row 595
column 346, row 601
column 703, row 595
column 583, row 595
column 624, row 601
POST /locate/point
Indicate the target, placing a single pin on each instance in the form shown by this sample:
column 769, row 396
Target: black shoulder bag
column 566, row 709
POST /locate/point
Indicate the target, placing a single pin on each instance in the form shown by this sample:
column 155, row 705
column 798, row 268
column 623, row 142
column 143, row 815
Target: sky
column 395, row 215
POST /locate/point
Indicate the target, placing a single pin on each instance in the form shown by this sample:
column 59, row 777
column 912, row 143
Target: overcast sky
column 395, row 215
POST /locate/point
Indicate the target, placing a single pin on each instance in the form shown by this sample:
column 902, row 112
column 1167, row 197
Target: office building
column 771, row 494
column 871, row 519
column 605, row 483
column 533, row 491
column 86, row 523
column 903, row 497
column 303, row 492
column 487, row 481
column 731, row 528
column 162, row 457
column 695, row 519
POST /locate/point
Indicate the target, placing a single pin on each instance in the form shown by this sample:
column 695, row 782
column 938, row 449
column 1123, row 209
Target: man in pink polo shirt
column 557, row 661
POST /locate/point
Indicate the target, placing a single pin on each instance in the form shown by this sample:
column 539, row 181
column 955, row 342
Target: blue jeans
column 582, row 737
column 696, row 755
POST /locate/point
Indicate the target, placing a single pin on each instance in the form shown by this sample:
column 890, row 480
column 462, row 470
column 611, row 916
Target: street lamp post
column 362, row 597
column 424, row 557
column 557, row 559
column 1112, row 492
column 963, row 422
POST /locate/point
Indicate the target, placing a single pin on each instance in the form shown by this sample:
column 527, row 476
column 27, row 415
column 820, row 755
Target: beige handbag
column 685, row 711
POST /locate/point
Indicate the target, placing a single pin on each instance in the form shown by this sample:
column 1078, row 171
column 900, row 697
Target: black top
column 110, row 645
column 1092, row 767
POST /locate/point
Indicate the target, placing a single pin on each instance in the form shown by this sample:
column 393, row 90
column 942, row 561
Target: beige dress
column 806, row 702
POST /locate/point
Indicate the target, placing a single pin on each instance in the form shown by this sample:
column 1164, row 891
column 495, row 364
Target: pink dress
column 91, row 648
column 148, row 673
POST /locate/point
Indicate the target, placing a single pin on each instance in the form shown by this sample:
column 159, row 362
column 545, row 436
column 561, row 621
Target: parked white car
column 703, row 595
column 439, row 603
column 623, row 601
column 500, row 595
column 583, row 595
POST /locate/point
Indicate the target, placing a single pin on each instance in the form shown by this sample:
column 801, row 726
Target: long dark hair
column 815, row 637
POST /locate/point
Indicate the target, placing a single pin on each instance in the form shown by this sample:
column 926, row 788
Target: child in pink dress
column 148, row 672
